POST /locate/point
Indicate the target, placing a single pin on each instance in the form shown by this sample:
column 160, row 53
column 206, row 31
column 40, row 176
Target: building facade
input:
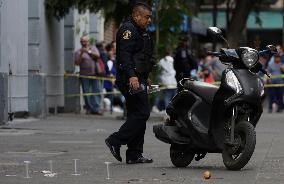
column 36, row 51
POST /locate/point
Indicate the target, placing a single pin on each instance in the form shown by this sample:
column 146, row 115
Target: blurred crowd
column 95, row 63
column 173, row 66
column 275, row 67
column 181, row 63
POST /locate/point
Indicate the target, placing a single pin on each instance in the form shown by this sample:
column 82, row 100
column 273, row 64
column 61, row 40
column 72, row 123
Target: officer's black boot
column 139, row 160
column 115, row 150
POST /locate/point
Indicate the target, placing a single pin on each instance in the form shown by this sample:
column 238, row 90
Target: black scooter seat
column 204, row 90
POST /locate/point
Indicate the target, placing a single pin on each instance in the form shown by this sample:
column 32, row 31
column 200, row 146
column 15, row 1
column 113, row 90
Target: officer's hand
column 134, row 83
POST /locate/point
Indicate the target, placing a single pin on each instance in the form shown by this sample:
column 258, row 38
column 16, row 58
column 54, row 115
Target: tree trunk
column 238, row 21
column 157, row 24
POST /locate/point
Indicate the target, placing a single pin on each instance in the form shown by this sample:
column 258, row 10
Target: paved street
column 53, row 143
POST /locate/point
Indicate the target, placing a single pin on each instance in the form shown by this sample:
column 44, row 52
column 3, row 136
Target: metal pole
column 214, row 20
column 10, row 113
column 227, row 14
column 214, row 13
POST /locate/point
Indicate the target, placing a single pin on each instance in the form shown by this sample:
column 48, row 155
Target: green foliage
column 115, row 9
column 59, row 8
column 167, row 19
column 167, row 15
column 92, row 40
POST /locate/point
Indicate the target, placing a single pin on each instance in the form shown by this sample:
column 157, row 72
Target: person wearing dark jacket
column 134, row 63
column 184, row 62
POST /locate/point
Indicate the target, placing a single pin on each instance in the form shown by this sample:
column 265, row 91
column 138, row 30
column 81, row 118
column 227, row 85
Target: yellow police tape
column 112, row 79
column 93, row 94
column 90, row 77
column 276, row 76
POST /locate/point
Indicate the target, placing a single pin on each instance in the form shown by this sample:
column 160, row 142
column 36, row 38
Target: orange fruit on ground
column 207, row 175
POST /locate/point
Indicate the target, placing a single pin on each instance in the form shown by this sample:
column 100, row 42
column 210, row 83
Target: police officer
column 134, row 63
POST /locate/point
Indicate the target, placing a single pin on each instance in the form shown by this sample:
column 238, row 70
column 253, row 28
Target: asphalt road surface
column 47, row 149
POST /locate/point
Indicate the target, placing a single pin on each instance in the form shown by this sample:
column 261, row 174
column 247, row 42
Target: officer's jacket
column 134, row 51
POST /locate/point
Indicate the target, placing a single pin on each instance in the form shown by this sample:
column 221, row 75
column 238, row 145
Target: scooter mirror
column 215, row 31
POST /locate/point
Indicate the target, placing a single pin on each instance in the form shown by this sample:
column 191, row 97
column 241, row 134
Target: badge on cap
column 126, row 35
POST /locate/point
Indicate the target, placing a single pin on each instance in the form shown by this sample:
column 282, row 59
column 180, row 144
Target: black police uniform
column 134, row 59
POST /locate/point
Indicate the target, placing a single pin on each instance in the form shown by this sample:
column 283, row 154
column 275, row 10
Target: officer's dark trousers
column 133, row 130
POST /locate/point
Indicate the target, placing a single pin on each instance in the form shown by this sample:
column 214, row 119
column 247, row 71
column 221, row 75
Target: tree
column 238, row 21
column 167, row 16
column 238, row 18
column 116, row 9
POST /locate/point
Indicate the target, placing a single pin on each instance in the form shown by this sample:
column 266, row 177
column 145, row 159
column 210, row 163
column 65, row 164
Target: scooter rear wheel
column 235, row 158
column 180, row 155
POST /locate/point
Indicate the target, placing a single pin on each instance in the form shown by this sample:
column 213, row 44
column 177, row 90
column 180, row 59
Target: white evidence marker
column 27, row 168
column 108, row 175
column 50, row 166
column 75, row 168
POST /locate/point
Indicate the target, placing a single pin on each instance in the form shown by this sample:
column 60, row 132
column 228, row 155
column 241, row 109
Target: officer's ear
column 137, row 13
column 136, row 16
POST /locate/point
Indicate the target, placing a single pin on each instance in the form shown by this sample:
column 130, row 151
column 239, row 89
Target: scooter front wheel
column 236, row 157
column 180, row 155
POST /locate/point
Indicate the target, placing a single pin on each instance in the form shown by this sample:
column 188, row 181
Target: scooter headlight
column 233, row 81
column 250, row 57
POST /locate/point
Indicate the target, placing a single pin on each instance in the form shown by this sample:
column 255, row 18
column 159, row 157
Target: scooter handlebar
column 263, row 52
column 217, row 54
column 265, row 72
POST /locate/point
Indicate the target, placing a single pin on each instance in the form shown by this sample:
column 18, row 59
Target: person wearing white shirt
column 167, row 77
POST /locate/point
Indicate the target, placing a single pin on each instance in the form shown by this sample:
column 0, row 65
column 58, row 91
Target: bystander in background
column 276, row 68
column 86, row 58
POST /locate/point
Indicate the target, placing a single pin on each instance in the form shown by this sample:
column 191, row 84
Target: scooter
column 204, row 118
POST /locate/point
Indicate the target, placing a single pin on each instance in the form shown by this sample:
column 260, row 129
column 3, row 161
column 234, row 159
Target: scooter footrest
column 170, row 134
